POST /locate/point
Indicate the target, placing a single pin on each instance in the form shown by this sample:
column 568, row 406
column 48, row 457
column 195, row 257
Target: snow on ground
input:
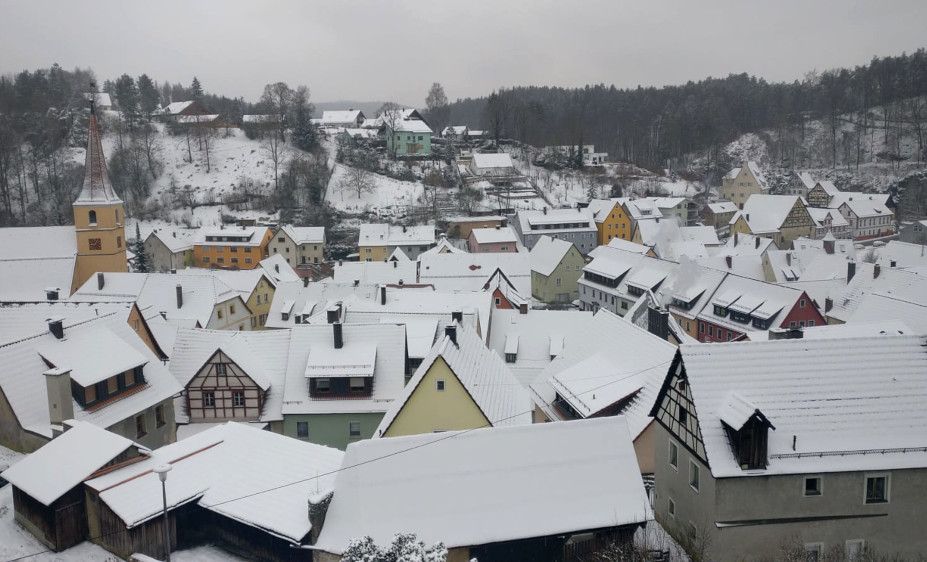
column 208, row 553
column 655, row 537
column 386, row 192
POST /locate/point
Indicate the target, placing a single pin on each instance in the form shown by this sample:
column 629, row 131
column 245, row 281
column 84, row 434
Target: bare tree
column 391, row 115
column 275, row 149
column 358, row 180
column 436, row 102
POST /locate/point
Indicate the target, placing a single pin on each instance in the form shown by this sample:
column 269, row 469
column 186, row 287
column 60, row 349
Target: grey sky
column 382, row 49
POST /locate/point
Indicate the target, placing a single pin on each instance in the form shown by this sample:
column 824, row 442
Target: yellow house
column 611, row 219
column 740, row 183
column 99, row 216
column 461, row 384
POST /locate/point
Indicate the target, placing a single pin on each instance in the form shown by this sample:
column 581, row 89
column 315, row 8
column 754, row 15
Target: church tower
column 99, row 215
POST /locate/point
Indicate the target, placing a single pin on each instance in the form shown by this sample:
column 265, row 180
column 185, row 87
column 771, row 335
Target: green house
column 408, row 137
column 556, row 266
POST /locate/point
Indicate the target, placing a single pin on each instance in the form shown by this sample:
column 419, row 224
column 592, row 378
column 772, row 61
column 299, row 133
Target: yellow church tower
column 99, row 215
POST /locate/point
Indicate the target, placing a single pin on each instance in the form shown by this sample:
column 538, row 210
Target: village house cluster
column 540, row 384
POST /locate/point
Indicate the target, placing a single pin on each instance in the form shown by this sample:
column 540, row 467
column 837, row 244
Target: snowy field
column 386, row 192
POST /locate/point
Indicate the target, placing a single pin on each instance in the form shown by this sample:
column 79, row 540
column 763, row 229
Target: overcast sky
column 392, row 49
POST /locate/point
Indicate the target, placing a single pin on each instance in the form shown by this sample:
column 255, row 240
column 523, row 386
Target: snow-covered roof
column 494, row 235
column 305, row 234
column 905, row 255
column 443, row 247
column 722, row 207
column 805, row 178
column 260, row 118
column 548, row 253
column 258, row 478
column 310, row 302
column 340, row 117
column 176, row 107
column 820, row 217
column 498, row 160
column 413, row 126
column 175, row 239
column 493, row 388
column 607, row 361
column 828, row 187
column 860, row 410
column 374, row 234
column 599, row 209
column 239, row 236
column 754, row 169
column 261, row 354
column 92, row 356
column 103, row 99
column 735, row 410
column 367, row 272
column 454, row 129
column 277, row 270
column 97, row 188
column 201, row 291
column 66, row 461
column 767, row 213
column 26, row 279
column 628, row 246
column 470, row 272
column 554, row 220
column 767, row 301
column 867, row 205
column 488, row 485
column 312, row 349
column 25, row 388
column 193, row 119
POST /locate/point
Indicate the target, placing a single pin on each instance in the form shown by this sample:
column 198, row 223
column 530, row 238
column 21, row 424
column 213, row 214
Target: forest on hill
column 663, row 127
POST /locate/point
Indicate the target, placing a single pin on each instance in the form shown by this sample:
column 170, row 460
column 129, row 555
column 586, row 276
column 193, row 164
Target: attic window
column 720, row 310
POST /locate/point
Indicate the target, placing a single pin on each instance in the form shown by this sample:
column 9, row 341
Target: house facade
column 498, row 239
column 167, row 251
column 611, row 220
column 729, row 433
column 868, row 216
column 299, row 245
column 408, row 137
column 783, row 218
column 232, row 248
column 555, row 269
column 376, row 242
column 740, row 183
column 569, row 225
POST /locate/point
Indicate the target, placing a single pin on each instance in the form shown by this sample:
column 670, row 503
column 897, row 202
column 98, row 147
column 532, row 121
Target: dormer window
column 720, row 310
column 747, row 431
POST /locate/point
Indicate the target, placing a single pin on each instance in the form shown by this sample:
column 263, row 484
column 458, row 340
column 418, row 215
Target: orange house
column 232, row 248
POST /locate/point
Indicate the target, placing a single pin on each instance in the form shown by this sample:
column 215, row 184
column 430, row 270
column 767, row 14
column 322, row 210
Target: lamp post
column 162, row 471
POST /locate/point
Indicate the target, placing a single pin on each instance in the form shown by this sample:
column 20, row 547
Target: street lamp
column 162, row 471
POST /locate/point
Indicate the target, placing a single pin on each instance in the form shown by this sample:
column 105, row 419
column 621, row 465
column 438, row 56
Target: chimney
column 828, row 304
column 729, row 260
column 306, row 281
column 100, row 281
column 658, row 322
column 736, row 238
column 338, row 335
column 173, row 272
column 788, row 259
column 277, row 267
column 876, row 270
column 403, row 228
column 56, row 327
column 851, row 270
column 332, row 314
column 383, row 294
column 756, row 242
column 545, row 210
column 340, row 263
column 60, row 404
column 786, row 334
column 829, row 246
column 179, row 295
column 523, row 308
column 457, row 316
column 51, row 293
column 892, row 263
column 451, row 332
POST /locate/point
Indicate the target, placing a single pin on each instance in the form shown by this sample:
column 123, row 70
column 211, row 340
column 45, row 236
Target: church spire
column 97, row 188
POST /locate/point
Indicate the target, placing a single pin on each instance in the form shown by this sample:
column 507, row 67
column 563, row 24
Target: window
column 672, row 508
column 205, row 259
column 140, row 430
column 682, row 415
column 232, row 308
column 129, row 377
column 439, row 385
column 801, row 303
column 323, row 385
column 357, row 383
column 854, row 549
column 877, row 488
column 693, row 475
column 159, row 416
column 302, row 430
column 813, row 486
column 92, row 217
column 673, row 455
column 95, row 244
column 814, row 551
column 119, row 241
column 701, row 327
column 209, row 399
column 280, row 239
column 112, row 385
column 238, row 398
column 219, row 312
column 221, row 368
column 498, row 301
column 511, row 357
column 354, row 429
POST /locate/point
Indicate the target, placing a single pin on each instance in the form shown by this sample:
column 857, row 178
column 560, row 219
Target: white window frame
column 671, row 508
column 698, row 474
column 804, row 486
column 888, row 486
